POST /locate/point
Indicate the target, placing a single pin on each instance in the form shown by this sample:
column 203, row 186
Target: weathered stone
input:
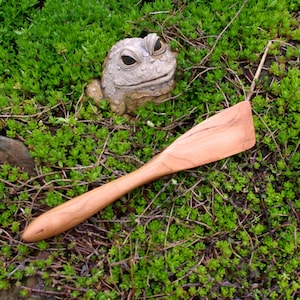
column 15, row 153
column 136, row 70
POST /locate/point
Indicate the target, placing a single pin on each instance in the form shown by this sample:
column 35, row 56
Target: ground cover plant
column 227, row 230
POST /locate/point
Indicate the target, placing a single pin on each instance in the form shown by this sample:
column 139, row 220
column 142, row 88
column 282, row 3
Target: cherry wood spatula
column 229, row 132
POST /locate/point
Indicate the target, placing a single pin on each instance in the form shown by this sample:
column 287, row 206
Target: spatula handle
column 75, row 211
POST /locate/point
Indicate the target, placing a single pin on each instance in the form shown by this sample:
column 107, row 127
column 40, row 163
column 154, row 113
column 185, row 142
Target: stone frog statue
column 136, row 70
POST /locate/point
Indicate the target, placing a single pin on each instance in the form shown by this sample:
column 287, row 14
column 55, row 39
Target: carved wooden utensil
column 227, row 133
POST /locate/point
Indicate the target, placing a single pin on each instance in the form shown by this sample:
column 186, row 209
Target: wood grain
column 229, row 132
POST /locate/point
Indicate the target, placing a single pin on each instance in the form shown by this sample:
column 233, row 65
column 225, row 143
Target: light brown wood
column 229, row 132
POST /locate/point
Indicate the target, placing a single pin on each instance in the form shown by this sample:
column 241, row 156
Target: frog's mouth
column 167, row 78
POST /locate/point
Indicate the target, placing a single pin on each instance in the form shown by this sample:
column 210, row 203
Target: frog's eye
column 128, row 60
column 154, row 45
column 157, row 45
column 158, row 48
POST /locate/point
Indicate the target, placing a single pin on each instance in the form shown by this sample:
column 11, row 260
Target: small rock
column 15, row 153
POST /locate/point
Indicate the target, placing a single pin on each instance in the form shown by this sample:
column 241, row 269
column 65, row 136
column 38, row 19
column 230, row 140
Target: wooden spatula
column 227, row 133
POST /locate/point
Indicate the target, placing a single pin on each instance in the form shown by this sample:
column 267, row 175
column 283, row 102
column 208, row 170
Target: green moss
column 218, row 231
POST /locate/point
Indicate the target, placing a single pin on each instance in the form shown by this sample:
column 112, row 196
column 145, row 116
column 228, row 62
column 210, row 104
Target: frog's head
column 138, row 70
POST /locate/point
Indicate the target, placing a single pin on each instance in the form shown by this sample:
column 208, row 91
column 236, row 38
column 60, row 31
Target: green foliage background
column 227, row 230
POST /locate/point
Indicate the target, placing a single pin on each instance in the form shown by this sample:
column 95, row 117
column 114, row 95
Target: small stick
column 222, row 32
column 258, row 71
